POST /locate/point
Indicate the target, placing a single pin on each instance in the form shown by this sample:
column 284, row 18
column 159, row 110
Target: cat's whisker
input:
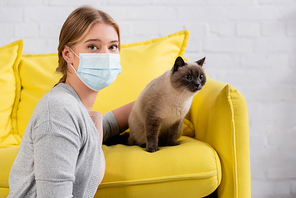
column 206, row 94
column 182, row 94
column 208, row 99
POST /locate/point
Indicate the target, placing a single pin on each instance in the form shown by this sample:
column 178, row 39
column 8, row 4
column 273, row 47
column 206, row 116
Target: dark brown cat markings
column 157, row 116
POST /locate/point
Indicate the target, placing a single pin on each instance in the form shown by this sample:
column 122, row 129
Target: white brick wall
column 250, row 44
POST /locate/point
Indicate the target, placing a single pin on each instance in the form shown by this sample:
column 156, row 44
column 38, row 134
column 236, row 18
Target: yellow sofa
column 214, row 152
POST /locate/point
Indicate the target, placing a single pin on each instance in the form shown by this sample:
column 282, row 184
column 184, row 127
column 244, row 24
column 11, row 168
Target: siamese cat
column 157, row 115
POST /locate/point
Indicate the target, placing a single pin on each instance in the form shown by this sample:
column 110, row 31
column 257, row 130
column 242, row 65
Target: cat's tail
column 118, row 139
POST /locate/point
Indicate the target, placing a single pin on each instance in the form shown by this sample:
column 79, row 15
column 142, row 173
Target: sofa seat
column 193, row 166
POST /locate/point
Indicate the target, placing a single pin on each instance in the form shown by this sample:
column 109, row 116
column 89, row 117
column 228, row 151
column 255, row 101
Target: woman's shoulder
column 63, row 95
column 62, row 100
column 60, row 108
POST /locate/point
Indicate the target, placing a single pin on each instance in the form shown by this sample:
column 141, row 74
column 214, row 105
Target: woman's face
column 101, row 38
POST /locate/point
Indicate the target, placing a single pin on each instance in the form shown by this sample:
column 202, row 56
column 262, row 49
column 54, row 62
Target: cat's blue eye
column 201, row 76
column 92, row 47
column 188, row 77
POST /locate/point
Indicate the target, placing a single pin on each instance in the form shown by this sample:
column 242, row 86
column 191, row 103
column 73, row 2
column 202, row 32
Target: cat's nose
column 197, row 85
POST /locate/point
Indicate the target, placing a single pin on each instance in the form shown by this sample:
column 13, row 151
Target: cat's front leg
column 152, row 131
column 174, row 133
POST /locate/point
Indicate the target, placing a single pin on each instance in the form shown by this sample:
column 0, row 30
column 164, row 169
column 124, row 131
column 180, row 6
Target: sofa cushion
column 9, row 59
column 193, row 166
column 37, row 76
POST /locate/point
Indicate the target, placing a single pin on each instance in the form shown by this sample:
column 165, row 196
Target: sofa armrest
column 220, row 117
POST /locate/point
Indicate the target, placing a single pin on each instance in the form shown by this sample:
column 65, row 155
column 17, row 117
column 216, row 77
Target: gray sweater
column 61, row 152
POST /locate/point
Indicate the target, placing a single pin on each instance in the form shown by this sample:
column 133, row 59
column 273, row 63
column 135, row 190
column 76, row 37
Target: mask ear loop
column 73, row 67
column 75, row 55
column 74, row 52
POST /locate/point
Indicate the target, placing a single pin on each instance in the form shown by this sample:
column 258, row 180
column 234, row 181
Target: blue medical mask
column 97, row 70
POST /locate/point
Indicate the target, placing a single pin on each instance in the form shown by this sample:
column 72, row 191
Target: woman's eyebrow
column 91, row 40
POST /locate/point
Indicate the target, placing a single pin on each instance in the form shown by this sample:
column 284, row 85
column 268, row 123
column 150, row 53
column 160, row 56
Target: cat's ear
column 201, row 61
column 178, row 63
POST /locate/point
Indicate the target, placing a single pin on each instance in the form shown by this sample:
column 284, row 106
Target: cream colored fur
column 170, row 105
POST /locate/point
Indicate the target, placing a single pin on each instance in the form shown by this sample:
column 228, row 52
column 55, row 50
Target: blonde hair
column 76, row 26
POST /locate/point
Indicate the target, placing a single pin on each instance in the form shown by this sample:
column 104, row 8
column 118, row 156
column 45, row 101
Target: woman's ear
column 67, row 55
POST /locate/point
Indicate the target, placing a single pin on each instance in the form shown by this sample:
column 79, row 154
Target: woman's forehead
column 101, row 32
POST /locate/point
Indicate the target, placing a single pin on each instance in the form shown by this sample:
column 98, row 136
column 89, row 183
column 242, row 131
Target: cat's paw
column 152, row 149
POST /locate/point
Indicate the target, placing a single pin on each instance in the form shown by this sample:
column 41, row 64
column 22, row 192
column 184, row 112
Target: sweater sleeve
column 56, row 151
column 110, row 126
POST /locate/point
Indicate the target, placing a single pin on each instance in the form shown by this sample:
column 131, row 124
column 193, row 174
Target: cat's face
column 188, row 75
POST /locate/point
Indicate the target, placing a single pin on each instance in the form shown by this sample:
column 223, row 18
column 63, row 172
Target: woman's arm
column 55, row 158
column 121, row 114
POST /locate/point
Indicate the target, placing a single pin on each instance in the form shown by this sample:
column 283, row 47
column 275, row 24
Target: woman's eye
column 201, row 76
column 188, row 77
column 92, row 47
column 113, row 47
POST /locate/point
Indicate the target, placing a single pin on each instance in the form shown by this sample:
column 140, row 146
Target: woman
column 61, row 151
